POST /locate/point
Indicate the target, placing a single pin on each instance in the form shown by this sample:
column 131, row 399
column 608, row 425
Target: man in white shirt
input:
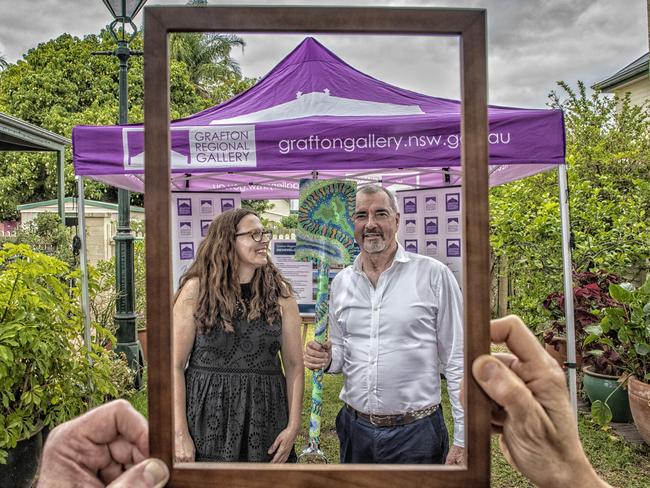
column 395, row 325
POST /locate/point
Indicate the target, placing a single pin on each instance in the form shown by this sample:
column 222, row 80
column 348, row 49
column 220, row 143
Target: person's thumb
column 150, row 473
column 503, row 386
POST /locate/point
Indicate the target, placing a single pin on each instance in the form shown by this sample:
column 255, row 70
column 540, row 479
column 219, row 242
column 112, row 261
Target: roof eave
column 17, row 125
column 622, row 78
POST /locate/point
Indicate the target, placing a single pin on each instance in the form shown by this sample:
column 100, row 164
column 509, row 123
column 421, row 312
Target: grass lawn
column 620, row 463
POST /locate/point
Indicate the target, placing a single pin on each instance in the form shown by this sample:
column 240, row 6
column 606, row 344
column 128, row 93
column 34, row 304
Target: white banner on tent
column 430, row 224
column 192, row 213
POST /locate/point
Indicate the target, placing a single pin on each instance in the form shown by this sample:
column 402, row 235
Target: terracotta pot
column 142, row 337
column 639, row 394
column 599, row 386
column 558, row 351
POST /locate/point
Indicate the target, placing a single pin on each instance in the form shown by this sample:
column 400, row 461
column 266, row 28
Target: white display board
column 430, row 224
column 192, row 213
column 298, row 273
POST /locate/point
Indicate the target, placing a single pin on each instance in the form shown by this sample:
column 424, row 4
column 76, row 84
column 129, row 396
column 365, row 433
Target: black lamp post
column 123, row 30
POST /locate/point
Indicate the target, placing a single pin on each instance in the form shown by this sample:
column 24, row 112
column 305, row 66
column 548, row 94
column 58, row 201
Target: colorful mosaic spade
column 325, row 236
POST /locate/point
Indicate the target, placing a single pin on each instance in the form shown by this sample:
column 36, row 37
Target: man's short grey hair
column 374, row 188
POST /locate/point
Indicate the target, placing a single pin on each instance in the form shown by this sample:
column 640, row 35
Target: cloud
column 531, row 44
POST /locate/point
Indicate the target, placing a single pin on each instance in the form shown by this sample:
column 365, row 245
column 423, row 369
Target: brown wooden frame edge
column 469, row 25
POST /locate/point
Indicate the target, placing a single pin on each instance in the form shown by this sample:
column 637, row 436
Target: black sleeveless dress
column 236, row 393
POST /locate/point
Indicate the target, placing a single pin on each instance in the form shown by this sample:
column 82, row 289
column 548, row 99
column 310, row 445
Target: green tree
column 290, row 221
column 209, row 62
column 59, row 85
column 213, row 72
column 3, row 62
column 257, row 206
column 608, row 165
column 47, row 234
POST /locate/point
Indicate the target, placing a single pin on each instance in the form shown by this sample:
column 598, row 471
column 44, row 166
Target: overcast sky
column 531, row 43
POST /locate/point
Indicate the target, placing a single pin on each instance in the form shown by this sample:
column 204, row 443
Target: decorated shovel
column 325, row 236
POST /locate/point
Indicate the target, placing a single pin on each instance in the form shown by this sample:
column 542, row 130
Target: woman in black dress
column 236, row 328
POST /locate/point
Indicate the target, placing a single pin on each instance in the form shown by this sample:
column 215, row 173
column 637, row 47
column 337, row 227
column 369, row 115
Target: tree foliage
column 215, row 75
column 47, row 234
column 257, row 206
column 209, row 62
column 60, row 84
column 608, row 165
column 290, row 221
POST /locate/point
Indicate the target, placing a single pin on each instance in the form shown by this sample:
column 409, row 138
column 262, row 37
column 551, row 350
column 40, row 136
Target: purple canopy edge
column 315, row 115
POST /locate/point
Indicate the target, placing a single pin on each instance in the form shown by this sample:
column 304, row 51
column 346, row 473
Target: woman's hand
column 184, row 448
column 282, row 445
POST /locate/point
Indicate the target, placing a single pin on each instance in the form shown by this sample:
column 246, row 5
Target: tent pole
column 568, row 288
column 83, row 261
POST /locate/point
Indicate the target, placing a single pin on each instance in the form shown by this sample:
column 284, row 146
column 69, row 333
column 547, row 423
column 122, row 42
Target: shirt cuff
column 337, row 361
column 459, row 435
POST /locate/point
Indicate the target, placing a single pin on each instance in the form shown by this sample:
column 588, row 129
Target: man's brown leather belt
column 393, row 420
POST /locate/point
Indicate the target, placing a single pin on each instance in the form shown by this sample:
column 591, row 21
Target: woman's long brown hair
column 219, row 293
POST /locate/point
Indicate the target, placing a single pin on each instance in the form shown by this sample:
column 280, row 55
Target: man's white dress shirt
column 392, row 342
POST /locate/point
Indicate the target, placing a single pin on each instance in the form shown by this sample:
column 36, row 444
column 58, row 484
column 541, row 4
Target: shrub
column 47, row 374
column 47, row 234
column 590, row 295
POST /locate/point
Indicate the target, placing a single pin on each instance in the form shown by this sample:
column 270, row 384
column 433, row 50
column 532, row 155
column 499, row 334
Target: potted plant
column 590, row 294
column 47, row 374
column 606, row 392
column 626, row 330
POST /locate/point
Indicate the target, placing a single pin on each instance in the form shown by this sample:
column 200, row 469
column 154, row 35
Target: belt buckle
column 378, row 420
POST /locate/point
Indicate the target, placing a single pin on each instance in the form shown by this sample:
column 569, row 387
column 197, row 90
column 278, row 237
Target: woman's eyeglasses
column 257, row 235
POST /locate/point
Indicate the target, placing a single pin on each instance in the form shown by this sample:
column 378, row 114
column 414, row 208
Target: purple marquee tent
column 313, row 112
column 314, row 115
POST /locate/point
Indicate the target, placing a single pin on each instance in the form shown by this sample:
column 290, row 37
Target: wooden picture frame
column 470, row 26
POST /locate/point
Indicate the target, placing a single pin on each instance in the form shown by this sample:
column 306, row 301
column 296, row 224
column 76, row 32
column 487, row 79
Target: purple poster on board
column 411, row 245
column 431, row 225
column 184, row 206
column 227, row 204
column 452, row 202
column 187, row 250
column 453, row 248
column 207, row 207
column 410, row 205
column 205, row 225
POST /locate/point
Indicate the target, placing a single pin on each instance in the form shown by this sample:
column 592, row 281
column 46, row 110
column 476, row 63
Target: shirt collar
column 401, row 256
